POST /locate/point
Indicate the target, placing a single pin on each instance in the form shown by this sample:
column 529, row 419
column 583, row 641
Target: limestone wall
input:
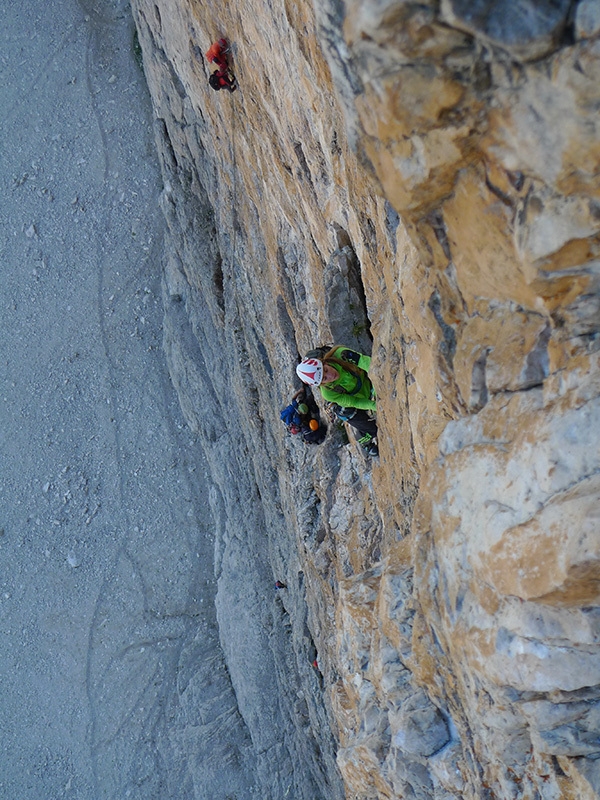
column 420, row 180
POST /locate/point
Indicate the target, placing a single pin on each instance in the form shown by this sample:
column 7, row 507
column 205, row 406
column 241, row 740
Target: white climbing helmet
column 310, row 371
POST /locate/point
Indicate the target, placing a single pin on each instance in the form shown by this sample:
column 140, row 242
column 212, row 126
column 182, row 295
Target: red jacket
column 215, row 55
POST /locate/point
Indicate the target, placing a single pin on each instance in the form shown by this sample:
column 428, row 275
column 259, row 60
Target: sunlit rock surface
column 418, row 180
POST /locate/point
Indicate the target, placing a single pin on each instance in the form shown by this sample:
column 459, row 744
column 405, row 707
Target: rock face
column 419, row 180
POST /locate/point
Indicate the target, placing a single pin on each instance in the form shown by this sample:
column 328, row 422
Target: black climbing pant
column 363, row 423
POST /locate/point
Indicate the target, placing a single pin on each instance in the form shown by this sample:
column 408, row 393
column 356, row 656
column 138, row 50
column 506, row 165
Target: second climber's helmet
column 310, row 371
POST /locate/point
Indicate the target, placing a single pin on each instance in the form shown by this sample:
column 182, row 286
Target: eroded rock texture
column 419, row 179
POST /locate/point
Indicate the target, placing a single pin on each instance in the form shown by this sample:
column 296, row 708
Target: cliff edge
column 419, row 181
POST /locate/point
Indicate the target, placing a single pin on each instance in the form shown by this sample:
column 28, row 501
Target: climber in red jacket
column 222, row 78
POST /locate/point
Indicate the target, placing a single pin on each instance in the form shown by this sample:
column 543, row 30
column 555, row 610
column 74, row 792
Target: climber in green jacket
column 342, row 377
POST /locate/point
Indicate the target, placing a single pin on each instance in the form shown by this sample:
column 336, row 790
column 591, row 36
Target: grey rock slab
column 527, row 28
column 587, row 19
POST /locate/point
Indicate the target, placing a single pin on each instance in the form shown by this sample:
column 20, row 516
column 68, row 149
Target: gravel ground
column 105, row 547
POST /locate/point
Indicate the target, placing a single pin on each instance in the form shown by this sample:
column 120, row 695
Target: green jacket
column 350, row 390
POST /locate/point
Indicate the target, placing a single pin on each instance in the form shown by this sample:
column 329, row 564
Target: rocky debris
column 419, row 180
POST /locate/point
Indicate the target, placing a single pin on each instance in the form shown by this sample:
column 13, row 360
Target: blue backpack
column 291, row 418
column 293, row 421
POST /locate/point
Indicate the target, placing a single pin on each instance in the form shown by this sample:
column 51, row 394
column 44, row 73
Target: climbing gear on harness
column 336, row 411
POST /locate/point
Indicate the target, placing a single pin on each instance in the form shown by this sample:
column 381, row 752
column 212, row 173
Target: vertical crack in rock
column 346, row 302
column 448, row 344
column 537, row 365
column 479, row 389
